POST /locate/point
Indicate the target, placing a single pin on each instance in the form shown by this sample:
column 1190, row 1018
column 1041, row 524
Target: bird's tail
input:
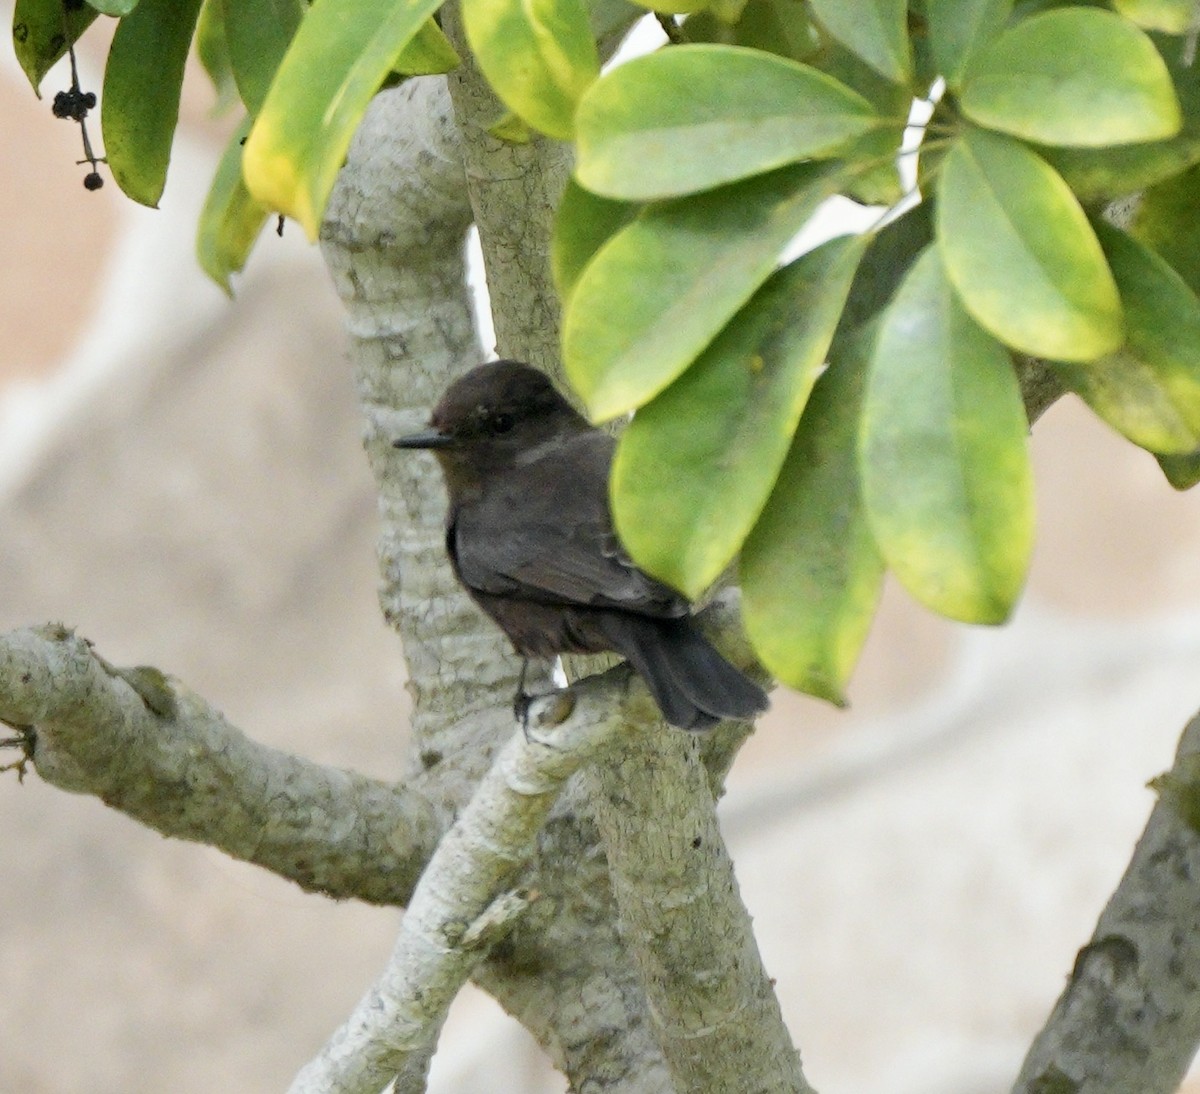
column 694, row 686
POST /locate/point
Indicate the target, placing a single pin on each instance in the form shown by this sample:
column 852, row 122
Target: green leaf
column 696, row 465
column 810, row 571
column 889, row 256
column 341, row 54
column 259, row 33
column 1170, row 16
column 957, row 29
column 231, row 219
column 508, row 127
column 877, row 30
column 583, row 224
column 39, row 38
column 690, row 118
column 1182, row 472
column 945, row 469
column 1020, row 252
column 538, row 55
column 1149, row 389
column 1072, row 76
column 212, row 48
column 873, row 158
column 1168, row 219
column 1104, row 173
column 140, row 104
column 429, row 53
column 661, row 289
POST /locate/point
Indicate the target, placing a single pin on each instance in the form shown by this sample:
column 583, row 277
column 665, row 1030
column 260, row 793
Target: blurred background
column 181, row 479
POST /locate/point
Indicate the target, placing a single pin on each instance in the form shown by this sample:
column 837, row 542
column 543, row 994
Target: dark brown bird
column 531, row 537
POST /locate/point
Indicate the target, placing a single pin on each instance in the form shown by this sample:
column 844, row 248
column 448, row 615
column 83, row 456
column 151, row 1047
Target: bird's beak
column 428, row 438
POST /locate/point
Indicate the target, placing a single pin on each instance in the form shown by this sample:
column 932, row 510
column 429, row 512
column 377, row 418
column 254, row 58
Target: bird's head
column 496, row 415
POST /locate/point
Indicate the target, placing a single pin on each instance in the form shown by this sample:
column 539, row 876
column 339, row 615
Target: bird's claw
column 26, row 741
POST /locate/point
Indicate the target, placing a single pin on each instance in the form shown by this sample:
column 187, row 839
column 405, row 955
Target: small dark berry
column 93, row 181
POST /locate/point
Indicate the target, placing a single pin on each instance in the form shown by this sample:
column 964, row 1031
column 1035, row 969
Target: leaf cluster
column 820, row 419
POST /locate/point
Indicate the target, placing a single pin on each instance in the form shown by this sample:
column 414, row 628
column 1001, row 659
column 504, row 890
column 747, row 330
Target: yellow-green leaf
column 1072, row 76
column 538, row 55
column 1149, row 389
column 231, row 219
column 663, row 287
column 340, row 56
column 810, row 571
column 583, row 224
column 877, row 30
column 945, row 467
column 693, row 117
column 695, row 466
column 1021, row 253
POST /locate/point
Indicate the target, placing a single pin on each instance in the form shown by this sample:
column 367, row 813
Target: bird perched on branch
column 530, row 536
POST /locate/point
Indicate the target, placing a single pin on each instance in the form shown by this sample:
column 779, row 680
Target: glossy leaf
column 778, row 26
column 958, row 28
column 1168, row 219
column 1021, row 253
column 259, row 32
column 1170, row 16
column 1103, row 173
column 876, row 30
column 662, row 288
column 810, row 571
column 231, row 219
column 1072, row 76
column 583, row 224
column 693, row 117
column 695, row 466
column 1149, row 390
column 38, row 34
column 538, row 55
column 341, row 54
column 142, row 83
column 945, row 468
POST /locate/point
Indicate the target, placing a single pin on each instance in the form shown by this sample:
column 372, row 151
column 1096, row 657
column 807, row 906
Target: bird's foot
column 26, row 741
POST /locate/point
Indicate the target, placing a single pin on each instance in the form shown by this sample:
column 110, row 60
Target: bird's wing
column 543, row 532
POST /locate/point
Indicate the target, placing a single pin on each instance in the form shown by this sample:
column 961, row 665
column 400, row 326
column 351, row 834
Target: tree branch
column 146, row 745
column 461, row 906
column 1129, row 1018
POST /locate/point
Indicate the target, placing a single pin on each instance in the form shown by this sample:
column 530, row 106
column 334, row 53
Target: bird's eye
column 501, row 423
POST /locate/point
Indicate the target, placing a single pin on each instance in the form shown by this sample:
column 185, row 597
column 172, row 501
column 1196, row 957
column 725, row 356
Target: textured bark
column 1129, row 1019
column 146, row 745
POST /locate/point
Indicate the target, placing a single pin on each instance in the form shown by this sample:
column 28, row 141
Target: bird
column 530, row 536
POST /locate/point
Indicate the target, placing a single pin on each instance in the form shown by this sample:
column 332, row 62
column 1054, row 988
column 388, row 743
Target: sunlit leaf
column 142, row 83
column 945, row 467
column 1021, row 253
column 342, row 52
column 810, row 571
column 662, row 288
column 877, row 30
column 1149, row 389
column 1171, row 16
column 694, row 468
column 693, row 117
column 1072, row 76
column 538, row 55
